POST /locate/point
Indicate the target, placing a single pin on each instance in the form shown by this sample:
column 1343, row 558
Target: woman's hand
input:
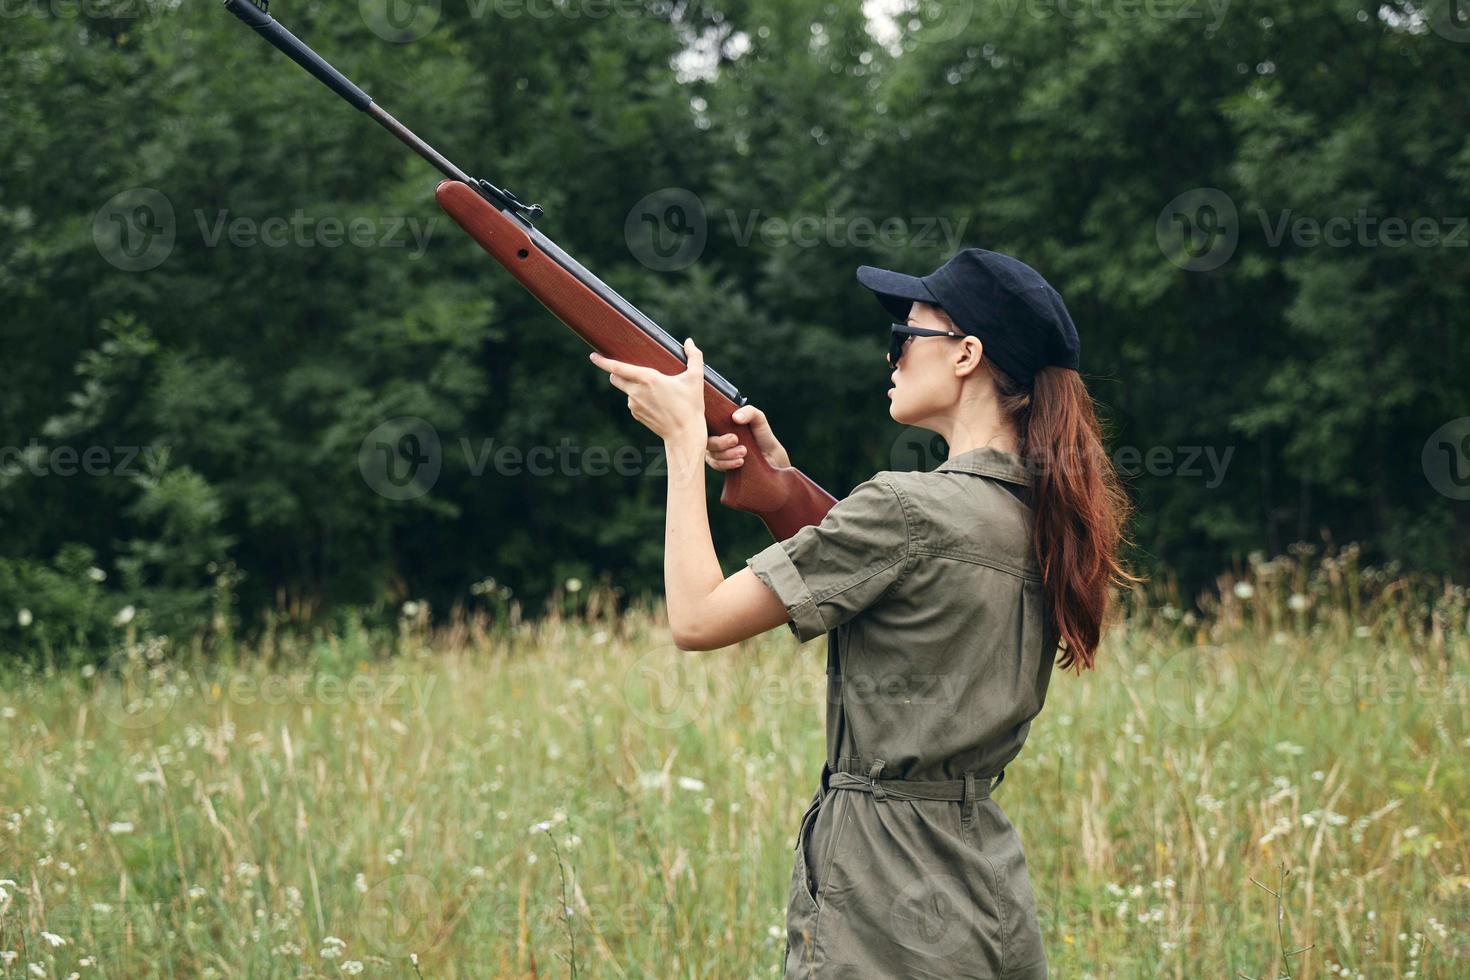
column 671, row 405
column 725, row 452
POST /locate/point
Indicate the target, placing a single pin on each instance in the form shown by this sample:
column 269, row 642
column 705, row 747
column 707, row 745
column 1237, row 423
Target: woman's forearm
column 691, row 567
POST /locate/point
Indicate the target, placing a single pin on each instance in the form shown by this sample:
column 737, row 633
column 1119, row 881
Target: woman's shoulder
column 962, row 514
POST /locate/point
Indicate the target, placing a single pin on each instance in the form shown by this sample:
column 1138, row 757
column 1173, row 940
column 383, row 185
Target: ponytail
column 1078, row 505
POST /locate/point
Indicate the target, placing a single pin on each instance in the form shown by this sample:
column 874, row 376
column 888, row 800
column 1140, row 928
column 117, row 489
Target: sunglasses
column 900, row 338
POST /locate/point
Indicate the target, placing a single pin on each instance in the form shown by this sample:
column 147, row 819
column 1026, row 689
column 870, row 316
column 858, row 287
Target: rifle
column 783, row 497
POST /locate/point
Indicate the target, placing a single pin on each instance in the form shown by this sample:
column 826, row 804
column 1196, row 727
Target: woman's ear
column 972, row 351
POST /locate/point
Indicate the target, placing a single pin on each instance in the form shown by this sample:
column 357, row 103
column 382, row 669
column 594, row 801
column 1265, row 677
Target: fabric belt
column 964, row 790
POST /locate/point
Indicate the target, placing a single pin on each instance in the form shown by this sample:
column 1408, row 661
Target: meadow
column 1274, row 785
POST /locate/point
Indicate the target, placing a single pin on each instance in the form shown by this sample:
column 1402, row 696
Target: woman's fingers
column 724, row 452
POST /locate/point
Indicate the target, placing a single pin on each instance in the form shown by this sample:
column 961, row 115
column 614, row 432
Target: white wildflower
column 120, row 827
column 574, row 585
column 24, row 618
column 1298, row 602
column 96, row 574
column 1244, row 590
column 690, row 783
column 124, row 616
column 53, row 939
column 657, row 779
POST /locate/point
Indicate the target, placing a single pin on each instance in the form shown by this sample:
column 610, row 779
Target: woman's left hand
column 671, row 405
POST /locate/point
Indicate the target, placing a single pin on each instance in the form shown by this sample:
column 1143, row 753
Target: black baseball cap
column 1015, row 313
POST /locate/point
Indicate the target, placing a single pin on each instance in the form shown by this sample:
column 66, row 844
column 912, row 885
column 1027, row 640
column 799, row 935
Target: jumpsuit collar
column 989, row 461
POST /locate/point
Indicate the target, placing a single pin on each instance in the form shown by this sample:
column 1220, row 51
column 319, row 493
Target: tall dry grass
column 1277, row 786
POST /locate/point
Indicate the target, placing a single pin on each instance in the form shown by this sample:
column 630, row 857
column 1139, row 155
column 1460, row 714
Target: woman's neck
column 973, row 427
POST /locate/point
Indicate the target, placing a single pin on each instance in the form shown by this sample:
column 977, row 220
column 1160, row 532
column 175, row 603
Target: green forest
column 224, row 290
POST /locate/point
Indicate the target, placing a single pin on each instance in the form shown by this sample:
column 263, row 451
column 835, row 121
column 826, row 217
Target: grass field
column 575, row 796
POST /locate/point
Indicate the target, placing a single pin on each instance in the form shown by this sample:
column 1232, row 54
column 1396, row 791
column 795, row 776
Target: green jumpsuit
column 939, row 652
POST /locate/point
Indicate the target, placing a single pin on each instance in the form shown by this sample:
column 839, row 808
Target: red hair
column 1078, row 505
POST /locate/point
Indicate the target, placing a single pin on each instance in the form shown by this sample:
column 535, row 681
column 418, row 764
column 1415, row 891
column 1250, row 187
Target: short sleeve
column 827, row 573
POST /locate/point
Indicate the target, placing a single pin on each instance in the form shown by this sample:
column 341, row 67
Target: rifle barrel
column 300, row 52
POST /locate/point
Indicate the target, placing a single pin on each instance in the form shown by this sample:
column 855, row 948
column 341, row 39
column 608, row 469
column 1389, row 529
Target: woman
column 944, row 597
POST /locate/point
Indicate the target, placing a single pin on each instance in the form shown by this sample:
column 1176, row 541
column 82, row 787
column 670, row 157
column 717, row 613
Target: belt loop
column 968, row 801
column 879, row 793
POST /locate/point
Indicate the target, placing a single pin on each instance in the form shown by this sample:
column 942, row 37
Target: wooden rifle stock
column 783, row 497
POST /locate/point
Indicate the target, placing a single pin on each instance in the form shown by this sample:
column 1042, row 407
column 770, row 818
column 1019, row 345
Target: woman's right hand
column 725, row 452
